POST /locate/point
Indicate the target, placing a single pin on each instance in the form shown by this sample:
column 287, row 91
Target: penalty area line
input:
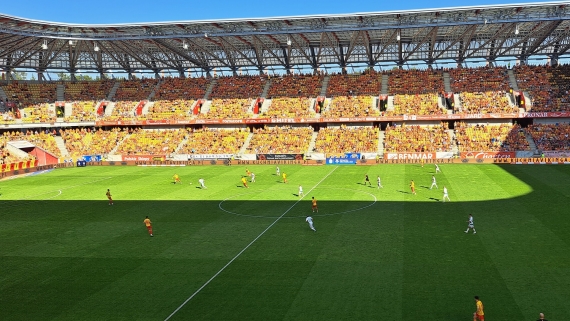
column 245, row 248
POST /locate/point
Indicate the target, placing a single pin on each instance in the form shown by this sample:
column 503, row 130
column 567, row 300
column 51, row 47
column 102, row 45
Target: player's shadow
column 404, row 192
column 435, row 199
column 425, row 187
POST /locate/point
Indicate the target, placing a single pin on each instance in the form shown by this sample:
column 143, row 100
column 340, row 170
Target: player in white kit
column 437, row 170
column 470, row 225
column 433, row 182
column 445, row 195
column 278, row 171
column 201, row 181
column 252, row 177
column 379, row 182
column 310, row 221
column 300, row 191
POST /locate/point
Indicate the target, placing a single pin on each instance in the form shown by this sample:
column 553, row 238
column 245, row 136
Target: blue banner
column 352, row 155
column 92, row 158
column 341, row 161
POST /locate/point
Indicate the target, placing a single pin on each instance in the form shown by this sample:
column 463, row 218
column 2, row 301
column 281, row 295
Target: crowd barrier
column 366, row 162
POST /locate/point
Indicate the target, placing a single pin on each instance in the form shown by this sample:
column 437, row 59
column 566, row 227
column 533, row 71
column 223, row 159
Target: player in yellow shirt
column 413, row 187
column 176, row 179
column 479, row 313
column 244, row 182
column 148, row 224
column 315, row 207
column 247, row 172
column 109, row 197
column 284, row 178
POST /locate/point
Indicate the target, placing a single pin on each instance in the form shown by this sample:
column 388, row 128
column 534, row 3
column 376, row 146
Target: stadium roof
column 400, row 37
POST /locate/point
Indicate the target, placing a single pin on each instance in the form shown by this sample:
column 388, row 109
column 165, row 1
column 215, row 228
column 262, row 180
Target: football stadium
column 398, row 165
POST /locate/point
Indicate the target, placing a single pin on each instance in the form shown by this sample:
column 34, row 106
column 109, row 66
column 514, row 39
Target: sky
column 129, row 11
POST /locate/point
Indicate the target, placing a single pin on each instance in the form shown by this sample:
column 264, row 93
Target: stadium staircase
column 243, row 149
column 266, row 88
column 325, row 85
column 454, row 147
column 457, row 102
column 179, row 147
column 210, row 88
column 109, row 109
column 384, row 89
column 381, row 144
column 153, row 92
column 61, row 145
column 114, row 150
column 313, row 143
column 113, row 91
column 3, row 95
column 60, row 92
column 390, row 104
column 532, row 144
column 446, row 82
column 265, row 106
column 206, row 107
column 513, row 80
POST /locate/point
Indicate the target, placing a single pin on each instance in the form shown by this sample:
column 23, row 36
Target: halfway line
column 245, row 248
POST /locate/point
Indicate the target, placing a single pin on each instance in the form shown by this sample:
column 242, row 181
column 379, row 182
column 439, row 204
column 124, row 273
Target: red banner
column 410, row 156
column 143, row 158
column 482, row 155
column 60, row 104
column 140, row 107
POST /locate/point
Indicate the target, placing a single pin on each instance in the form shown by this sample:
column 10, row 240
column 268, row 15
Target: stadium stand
column 413, row 82
column 535, row 81
column 45, row 140
column 179, row 109
column 295, row 86
column 365, row 84
column 550, row 137
column 238, row 87
column 351, row 106
column 87, row 90
column 82, row 111
column 335, row 141
column 502, row 137
column 289, row 107
column 228, row 108
column 39, row 113
column 482, row 90
column 131, row 90
column 82, row 141
column 186, row 88
column 151, row 141
column 214, row 141
column 413, row 138
column 28, row 93
column 280, row 140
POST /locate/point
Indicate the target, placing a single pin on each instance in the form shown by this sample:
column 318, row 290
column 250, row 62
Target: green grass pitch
column 231, row 253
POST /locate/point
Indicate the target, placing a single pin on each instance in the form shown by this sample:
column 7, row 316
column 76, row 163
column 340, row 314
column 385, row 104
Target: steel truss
column 427, row 36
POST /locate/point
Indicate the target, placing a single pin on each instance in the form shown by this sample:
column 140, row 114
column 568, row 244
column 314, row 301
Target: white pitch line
column 245, row 248
column 63, row 189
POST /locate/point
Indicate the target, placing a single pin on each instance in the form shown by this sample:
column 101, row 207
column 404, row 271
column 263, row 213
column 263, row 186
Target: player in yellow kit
column 244, row 182
column 413, row 187
column 315, row 207
column 479, row 313
column 284, row 178
column 176, row 179
column 109, row 197
column 148, row 225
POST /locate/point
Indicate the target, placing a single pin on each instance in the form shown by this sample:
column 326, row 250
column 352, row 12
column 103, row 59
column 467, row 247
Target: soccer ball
column 190, row 183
